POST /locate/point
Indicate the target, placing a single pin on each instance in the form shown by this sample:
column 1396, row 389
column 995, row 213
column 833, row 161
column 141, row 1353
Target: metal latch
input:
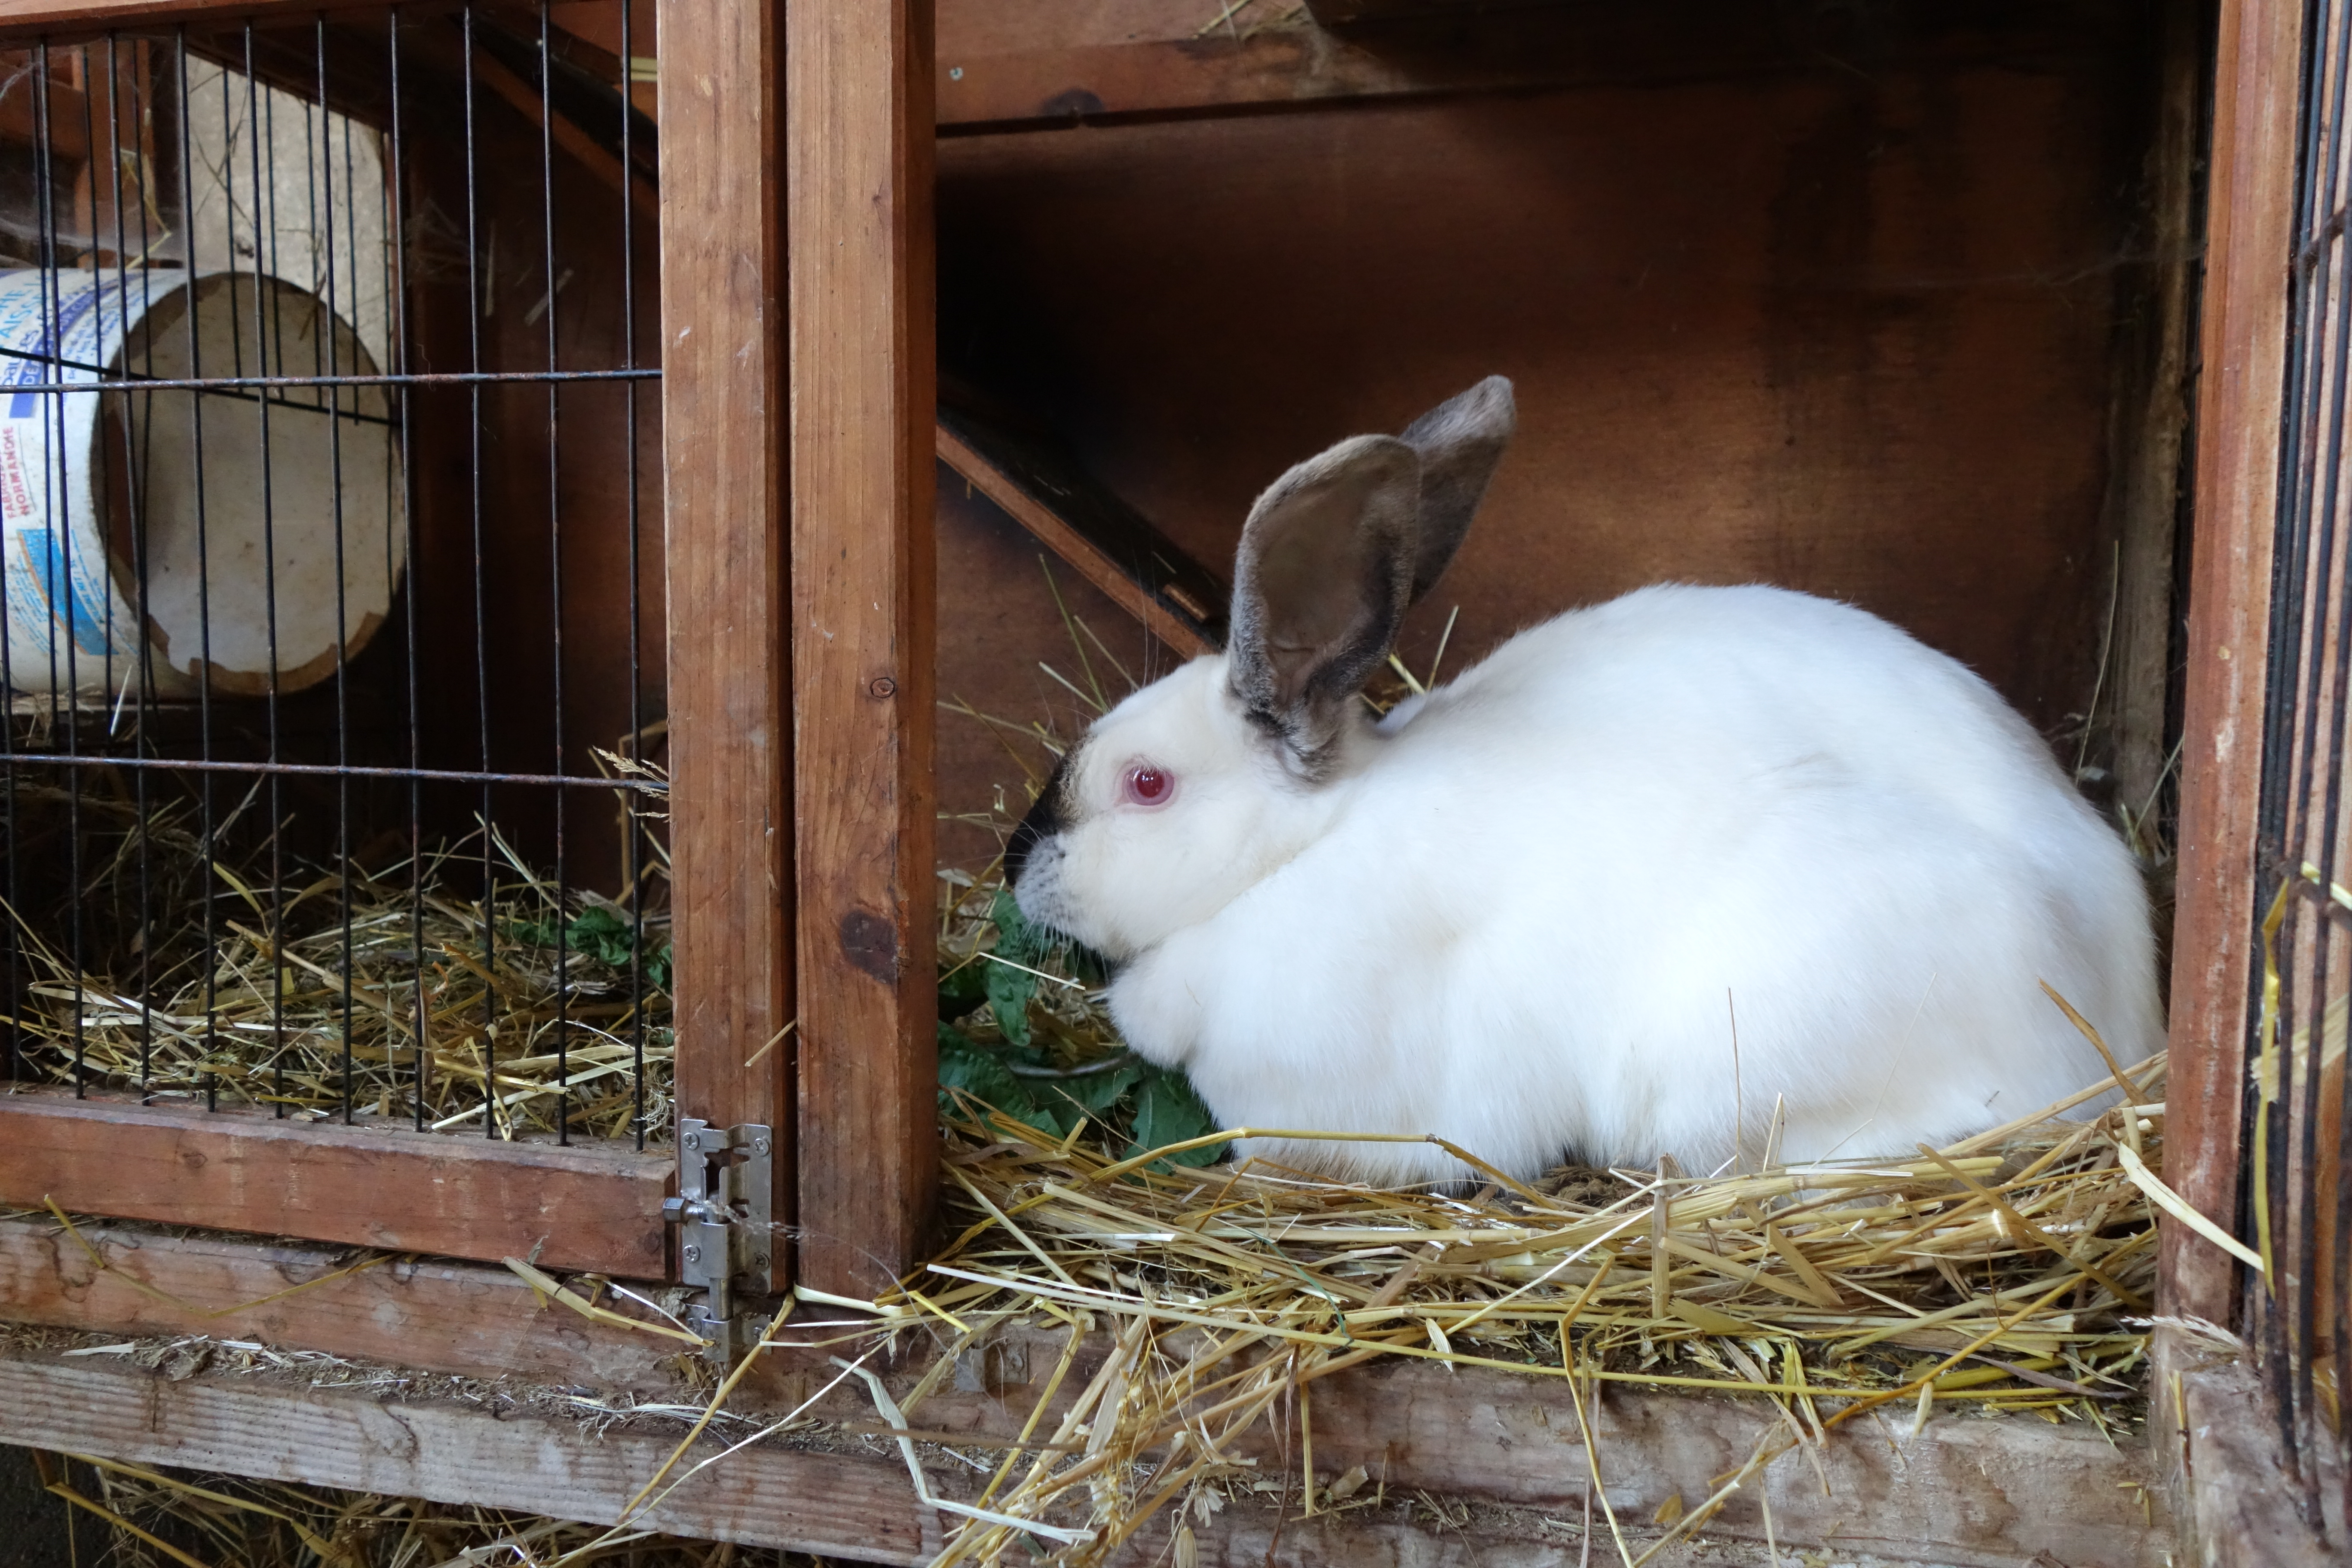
column 726, row 1231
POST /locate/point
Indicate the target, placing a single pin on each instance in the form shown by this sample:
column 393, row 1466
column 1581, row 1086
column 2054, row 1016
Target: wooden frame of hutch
column 799, row 398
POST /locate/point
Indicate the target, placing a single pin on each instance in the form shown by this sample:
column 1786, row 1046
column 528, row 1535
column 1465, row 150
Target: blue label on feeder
column 266, row 549
column 56, row 574
column 34, row 365
column 68, row 628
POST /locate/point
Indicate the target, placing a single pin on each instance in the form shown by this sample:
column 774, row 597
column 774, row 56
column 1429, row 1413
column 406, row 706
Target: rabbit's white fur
column 1528, row 912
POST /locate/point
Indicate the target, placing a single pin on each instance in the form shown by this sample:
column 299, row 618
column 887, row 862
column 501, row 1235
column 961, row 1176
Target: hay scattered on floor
column 2009, row 1273
column 311, row 1033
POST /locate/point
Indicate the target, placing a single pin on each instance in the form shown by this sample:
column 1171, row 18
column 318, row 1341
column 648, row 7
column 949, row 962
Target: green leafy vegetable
column 1008, row 978
column 978, row 1072
column 604, row 935
column 1167, row 1112
column 1132, row 1102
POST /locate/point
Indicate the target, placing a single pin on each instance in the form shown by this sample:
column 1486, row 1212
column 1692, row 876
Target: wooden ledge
column 1965, row 1490
column 593, row 1208
column 1504, row 1448
column 24, row 20
column 1047, row 64
column 836, row 1505
column 2222, row 1466
column 860, row 1505
column 467, row 1319
column 1100, row 536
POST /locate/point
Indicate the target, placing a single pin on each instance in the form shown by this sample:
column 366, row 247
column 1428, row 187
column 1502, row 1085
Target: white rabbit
column 1530, row 912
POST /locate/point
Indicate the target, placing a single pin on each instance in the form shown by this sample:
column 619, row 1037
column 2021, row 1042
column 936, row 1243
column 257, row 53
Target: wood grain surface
column 856, row 1508
column 402, row 1191
column 2250, row 238
column 77, row 18
column 2233, row 1502
column 858, row 174
column 1475, row 1460
column 1053, row 63
column 1091, row 557
column 469, row 1319
column 723, row 412
column 1852, row 336
column 1960, row 1490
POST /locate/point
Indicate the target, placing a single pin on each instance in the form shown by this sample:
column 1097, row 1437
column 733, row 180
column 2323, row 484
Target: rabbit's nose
column 1044, row 821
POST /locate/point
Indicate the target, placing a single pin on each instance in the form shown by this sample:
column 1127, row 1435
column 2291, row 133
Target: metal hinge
column 726, row 1233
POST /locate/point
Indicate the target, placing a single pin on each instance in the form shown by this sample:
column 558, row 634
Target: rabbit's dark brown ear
column 1320, row 583
column 1459, row 443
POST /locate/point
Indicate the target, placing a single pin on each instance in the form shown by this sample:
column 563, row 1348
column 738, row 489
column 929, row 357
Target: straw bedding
column 2009, row 1273
column 466, row 983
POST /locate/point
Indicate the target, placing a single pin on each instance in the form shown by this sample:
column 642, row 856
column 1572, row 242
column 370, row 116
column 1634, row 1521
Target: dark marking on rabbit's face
column 1049, row 814
column 1171, row 808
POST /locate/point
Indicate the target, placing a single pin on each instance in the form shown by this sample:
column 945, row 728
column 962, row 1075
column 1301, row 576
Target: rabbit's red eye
column 1147, row 786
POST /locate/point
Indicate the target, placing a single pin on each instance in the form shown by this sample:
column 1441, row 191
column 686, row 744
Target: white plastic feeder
column 230, row 516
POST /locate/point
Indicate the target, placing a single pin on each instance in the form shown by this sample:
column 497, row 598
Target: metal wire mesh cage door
column 2293, row 1168
column 333, row 778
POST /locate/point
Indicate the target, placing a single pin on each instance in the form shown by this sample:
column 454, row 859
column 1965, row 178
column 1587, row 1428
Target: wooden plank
column 403, row 1191
column 1962, row 1489
column 1339, row 14
column 723, row 421
column 1993, row 1482
column 469, row 1319
column 862, row 1508
column 858, row 177
column 21, row 121
column 1473, row 1433
column 1053, row 62
column 1105, row 540
column 2249, row 242
column 2231, row 1500
column 596, row 23
column 857, row 1507
column 1047, row 63
column 586, row 150
column 1197, row 295
column 82, row 18
column 2152, row 417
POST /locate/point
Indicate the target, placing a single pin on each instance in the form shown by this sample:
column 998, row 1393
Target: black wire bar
column 2297, row 1201
column 324, row 553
